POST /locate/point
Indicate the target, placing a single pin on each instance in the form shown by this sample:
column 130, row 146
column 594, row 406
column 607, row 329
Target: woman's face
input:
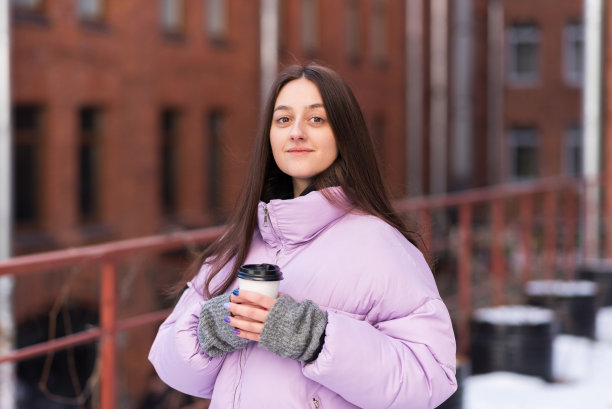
column 302, row 140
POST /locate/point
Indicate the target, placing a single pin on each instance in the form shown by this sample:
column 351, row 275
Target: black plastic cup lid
column 260, row 272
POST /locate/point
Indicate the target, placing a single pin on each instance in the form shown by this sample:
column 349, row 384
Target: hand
column 250, row 311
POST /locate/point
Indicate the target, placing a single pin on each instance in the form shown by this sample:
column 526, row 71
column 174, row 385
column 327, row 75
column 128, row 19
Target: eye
column 283, row 120
column 317, row 119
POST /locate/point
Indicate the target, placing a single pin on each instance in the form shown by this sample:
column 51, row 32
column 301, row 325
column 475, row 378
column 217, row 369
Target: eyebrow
column 311, row 106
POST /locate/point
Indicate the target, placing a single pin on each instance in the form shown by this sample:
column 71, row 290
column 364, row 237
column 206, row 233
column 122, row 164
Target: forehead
column 297, row 93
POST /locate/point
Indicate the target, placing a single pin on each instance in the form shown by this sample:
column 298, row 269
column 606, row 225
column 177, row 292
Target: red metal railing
column 503, row 201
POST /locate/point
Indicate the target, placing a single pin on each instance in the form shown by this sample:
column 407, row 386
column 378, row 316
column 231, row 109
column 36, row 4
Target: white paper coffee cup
column 260, row 278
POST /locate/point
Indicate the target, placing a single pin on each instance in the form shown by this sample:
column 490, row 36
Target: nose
column 296, row 132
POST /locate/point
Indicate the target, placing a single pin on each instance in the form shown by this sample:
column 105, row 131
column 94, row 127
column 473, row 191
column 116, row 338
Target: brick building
column 142, row 118
column 497, row 92
column 136, row 117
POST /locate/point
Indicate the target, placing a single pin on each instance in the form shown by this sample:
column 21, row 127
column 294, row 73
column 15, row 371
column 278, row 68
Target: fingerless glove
column 215, row 336
column 294, row 330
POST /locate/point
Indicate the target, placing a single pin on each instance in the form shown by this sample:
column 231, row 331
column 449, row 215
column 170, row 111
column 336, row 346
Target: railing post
column 108, row 318
column 465, row 276
column 550, row 226
column 571, row 226
column 526, row 226
column 498, row 260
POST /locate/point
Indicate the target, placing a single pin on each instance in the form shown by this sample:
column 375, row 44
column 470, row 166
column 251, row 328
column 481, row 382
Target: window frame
column 90, row 138
column 573, row 33
column 37, row 7
column 379, row 36
column 88, row 16
column 353, row 31
column 33, row 138
column 169, row 29
column 572, row 141
column 517, row 34
column 217, row 35
column 517, row 139
column 169, row 160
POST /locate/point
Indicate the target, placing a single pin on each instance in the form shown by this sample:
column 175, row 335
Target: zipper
column 265, row 215
column 315, row 402
column 265, row 224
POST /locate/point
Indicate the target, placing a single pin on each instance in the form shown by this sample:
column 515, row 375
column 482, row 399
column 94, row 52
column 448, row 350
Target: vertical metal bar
column 592, row 114
column 268, row 51
column 465, row 276
column 463, row 98
column 498, row 260
column 495, row 91
column 7, row 324
column 108, row 318
column 526, row 223
column 570, row 231
column 414, row 97
column 438, row 119
column 549, row 215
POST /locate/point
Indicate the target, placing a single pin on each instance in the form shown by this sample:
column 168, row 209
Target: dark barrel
column 599, row 272
column 574, row 303
column 513, row 338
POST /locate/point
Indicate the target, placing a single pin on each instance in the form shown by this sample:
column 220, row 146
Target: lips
column 298, row 151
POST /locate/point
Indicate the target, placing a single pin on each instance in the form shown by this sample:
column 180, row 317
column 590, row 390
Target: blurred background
column 126, row 127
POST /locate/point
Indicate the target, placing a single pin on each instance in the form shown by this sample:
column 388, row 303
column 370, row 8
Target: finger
column 246, row 310
column 245, row 324
column 239, row 300
column 247, row 335
column 256, row 298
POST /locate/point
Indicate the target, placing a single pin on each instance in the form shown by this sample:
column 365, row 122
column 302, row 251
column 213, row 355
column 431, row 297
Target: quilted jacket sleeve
column 402, row 354
column 408, row 362
column 176, row 353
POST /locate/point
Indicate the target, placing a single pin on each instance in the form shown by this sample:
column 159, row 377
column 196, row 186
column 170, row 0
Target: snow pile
column 561, row 288
column 603, row 324
column 514, row 315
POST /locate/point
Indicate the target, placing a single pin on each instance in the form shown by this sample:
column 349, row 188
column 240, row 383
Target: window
column 217, row 19
column 572, row 151
column 524, row 54
column 379, row 32
column 523, row 147
column 310, row 25
column 90, row 9
column 90, row 119
column 573, row 49
column 171, row 15
column 27, row 122
column 353, row 30
column 169, row 124
column 214, row 153
column 27, row 4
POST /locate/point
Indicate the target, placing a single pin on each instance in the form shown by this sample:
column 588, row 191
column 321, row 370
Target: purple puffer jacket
column 388, row 342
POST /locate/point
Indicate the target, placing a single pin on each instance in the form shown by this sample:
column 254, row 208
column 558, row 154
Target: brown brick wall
column 551, row 104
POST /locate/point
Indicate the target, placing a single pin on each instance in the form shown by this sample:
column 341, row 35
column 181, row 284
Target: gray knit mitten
column 294, row 330
column 217, row 337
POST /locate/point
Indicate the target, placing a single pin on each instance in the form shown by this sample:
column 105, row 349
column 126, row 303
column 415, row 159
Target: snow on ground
column 582, row 368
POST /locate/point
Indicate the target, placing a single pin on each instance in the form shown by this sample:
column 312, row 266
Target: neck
column 299, row 185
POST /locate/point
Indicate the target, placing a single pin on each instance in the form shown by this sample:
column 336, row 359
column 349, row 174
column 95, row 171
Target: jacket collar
column 284, row 224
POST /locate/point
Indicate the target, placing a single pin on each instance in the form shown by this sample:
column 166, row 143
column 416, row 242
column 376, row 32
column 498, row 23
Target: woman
column 359, row 323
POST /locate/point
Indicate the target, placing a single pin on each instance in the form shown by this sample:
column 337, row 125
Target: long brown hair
column 355, row 169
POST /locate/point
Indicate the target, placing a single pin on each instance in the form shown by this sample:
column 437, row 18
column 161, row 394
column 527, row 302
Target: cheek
column 332, row 148
column 275, row 144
